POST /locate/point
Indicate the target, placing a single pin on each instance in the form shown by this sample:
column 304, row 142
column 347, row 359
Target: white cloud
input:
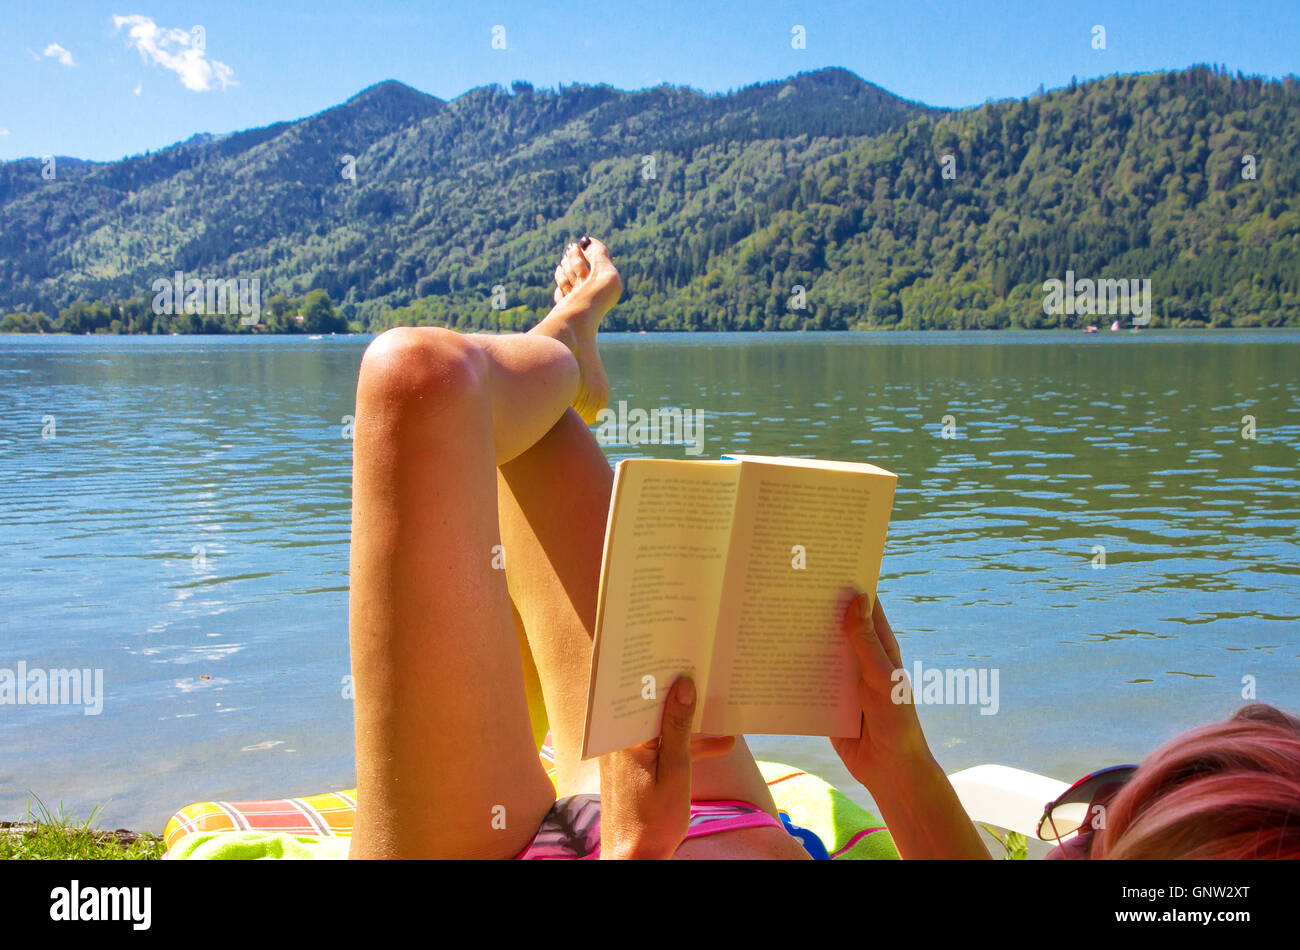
column 177, row 50
column 4, row 131
column 139, row 87
column 59, row 53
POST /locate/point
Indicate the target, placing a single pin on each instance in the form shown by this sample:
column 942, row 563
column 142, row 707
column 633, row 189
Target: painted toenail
column 585, row 242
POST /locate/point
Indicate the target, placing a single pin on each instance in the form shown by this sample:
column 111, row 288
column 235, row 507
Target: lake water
column 183, row 526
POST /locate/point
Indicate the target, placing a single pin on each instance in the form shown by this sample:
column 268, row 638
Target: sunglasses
column 1077, row 807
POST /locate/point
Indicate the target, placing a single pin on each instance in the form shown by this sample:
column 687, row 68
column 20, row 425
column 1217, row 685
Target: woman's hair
column 1229, row 790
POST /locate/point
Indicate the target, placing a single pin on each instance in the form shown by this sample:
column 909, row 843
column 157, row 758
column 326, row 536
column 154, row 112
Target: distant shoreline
column 937, row 331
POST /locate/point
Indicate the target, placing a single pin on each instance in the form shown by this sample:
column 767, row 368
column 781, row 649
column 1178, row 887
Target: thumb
column 675, row 736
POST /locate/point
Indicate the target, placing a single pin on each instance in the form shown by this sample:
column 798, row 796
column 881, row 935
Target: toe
column 562, row 282
column 559, row 294
column 573, row 269
column 596, row 252
column 580, row 264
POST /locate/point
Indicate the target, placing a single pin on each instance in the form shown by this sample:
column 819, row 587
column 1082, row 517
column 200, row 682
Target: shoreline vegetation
column 817, row 202
column 1102, row 329
column 54, row 836
column 354, row 330
column 315, row 314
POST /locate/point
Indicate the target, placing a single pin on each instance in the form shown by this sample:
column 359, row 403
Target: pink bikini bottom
column 571, row 829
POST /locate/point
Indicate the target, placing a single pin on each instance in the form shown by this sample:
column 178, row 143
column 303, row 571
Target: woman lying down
column 467, row 445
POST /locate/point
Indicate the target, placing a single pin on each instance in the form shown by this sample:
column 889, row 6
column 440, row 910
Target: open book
column 738, row 572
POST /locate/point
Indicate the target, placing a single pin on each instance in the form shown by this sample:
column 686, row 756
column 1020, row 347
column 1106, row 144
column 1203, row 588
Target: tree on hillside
column 321, row 316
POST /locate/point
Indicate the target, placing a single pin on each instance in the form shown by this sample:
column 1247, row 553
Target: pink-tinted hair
column 1229, row 790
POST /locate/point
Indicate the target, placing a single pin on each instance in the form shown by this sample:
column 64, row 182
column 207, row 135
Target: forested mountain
column 818, row 202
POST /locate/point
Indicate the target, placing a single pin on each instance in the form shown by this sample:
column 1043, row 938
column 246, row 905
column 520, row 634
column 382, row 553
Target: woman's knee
column 428, row 366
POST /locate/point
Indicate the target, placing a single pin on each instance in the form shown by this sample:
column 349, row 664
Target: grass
column 46, row 836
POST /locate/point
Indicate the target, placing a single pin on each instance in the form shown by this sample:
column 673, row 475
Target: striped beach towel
column 318, row 826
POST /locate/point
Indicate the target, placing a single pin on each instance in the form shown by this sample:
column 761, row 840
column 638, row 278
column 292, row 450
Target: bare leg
column 446, row 765
column 553, row 503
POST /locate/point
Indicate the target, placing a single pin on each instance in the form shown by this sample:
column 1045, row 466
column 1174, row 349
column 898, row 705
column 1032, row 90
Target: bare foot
column 587, row 286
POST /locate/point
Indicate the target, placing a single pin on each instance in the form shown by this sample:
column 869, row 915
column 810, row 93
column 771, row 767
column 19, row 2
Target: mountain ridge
column 302, row 159
column 719, row 203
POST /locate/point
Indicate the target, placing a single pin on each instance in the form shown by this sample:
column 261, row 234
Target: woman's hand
column 890, row 756
column 891, row 733
column 645, row 790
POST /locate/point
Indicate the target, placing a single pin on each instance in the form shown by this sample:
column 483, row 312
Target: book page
column 806, row 537
column 660, row 585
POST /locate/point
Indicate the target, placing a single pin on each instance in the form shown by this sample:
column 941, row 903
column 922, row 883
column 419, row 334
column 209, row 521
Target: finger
column 675, row 735
column 707, row 747
column 643, row 754
column 876, row 664
column 871, row 695
column 886, row 634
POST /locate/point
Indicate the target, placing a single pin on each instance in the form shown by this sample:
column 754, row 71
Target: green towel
column 257, row 845
column 849, row 831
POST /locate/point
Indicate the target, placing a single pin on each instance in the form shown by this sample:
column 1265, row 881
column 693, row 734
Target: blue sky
column 103, row 80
